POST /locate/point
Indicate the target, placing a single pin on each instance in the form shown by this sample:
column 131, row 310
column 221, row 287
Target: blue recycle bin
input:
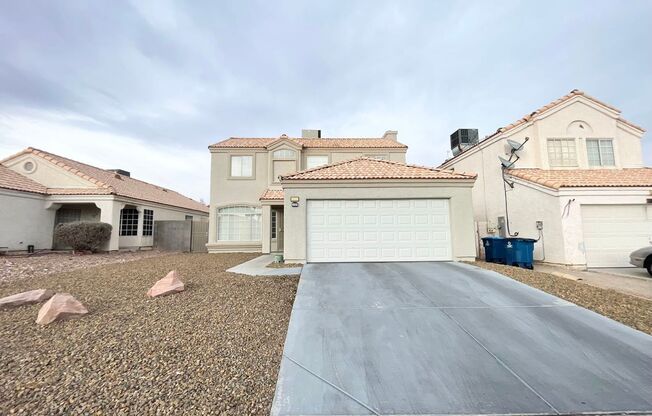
column 494, row 249
column 519, row 252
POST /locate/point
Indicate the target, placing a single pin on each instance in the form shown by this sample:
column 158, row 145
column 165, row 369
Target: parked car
column 642, row 258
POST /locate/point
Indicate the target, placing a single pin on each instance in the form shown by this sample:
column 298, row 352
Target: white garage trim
column 611, row 232
column 378, row 230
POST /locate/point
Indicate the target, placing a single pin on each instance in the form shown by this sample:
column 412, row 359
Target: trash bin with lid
column 494, row 249
column 519, row 252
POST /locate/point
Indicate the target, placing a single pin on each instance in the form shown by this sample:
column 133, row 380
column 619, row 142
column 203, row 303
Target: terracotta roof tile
column 368, row 168
column 108, row 182
column 330, row 143
column 17, row 182
column 586, row 178
column 272, row 195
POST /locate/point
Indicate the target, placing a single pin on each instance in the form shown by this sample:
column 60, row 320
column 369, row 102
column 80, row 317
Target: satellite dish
column 516, row 146
column 506, row 163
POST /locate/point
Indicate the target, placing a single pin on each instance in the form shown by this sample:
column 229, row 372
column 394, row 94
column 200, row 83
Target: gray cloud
column 190, row 73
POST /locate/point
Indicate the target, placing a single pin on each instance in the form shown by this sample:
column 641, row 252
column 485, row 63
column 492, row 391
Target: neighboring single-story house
column 577, row 184
column 39, row 190
column 318, row 199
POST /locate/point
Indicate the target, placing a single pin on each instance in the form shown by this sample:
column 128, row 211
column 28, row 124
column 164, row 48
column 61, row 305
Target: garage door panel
column 379, row 230
column 611, row 232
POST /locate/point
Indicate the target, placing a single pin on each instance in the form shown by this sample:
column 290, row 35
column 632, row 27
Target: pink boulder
column 61, row 306
column 167, row 285
column 26, row 298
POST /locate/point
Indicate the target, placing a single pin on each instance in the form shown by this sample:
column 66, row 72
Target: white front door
column 611, row 232
column 378, row 230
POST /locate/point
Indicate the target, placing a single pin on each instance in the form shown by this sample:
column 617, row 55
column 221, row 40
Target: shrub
column 83, row 236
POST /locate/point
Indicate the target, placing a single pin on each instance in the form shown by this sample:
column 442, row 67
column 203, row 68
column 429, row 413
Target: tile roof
column 17, row 182
column 586, row 178
column 526, row 118
column 272, row 195
column 330, row 143
column 369, row 168
column 109, row 182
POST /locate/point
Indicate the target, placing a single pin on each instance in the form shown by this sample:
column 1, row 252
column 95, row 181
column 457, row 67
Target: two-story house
column 577, row 184
column 336, row 199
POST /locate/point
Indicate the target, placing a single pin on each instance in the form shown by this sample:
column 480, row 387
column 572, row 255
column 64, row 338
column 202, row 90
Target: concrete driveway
column 450, row 338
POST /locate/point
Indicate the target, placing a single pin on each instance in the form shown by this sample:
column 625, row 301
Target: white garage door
column 379, row 230
column 611, row 232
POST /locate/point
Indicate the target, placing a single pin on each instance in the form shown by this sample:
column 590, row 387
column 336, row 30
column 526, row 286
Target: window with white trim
column 562, row 152
column 315, row 161
column 148, row 222
column 600, row 152
column 242, row 166
column 128, row 221
column 239, row 223
column 284, row 154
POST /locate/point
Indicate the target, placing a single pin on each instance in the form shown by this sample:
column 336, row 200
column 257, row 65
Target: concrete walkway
column 258, row 267
column 626, row 281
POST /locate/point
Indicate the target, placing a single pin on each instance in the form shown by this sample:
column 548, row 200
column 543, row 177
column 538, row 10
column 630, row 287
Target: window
column 562, row 152
column 273, row 224
column 129, row 221
column 314, row 161
column 65, row 215
column 242, row 166
column 188, row 217
column 379, row 157
column 148, row 222
column 600, row 152
column 284, row 154
column 238, row 223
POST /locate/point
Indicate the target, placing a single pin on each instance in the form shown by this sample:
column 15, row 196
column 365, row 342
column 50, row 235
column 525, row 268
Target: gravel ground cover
column 629, row 310
column 19, row 267
column 213, row 349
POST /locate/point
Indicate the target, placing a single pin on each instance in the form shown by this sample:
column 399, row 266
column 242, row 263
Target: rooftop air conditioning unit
column 462, row 139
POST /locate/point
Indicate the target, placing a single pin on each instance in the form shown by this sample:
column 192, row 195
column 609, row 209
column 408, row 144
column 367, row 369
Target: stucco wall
column 47, row 173
column 25, row 221
column 462, row 231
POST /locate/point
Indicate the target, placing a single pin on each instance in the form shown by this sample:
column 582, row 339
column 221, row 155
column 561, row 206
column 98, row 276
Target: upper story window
column 239, row 223
column 148, row 222
column 378, row 157
column 242, row 166
column 562, row 152
column 128, row 221
column 284, row 154
column 315, row 161
column 600, row 152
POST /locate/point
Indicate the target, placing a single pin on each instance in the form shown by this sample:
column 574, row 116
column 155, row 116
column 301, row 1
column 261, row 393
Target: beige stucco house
column 580, row 174
column 39, row 190
column 318, row 199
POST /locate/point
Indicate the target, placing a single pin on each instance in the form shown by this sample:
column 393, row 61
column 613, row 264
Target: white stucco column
column 266, row 219
column 110, row 214
column 573, row 235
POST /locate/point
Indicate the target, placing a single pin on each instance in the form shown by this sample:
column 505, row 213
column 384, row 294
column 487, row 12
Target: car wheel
column 649, row 268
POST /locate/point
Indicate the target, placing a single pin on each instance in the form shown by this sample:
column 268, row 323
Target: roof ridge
column 431, row 168
column 52, row 158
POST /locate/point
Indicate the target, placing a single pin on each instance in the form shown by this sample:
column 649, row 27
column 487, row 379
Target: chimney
column 310, row 134
column 120, row 172
column 391, row 135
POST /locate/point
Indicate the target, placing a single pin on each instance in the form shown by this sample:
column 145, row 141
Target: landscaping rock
column 26, row 298
column 167, row 285
column 61, row 306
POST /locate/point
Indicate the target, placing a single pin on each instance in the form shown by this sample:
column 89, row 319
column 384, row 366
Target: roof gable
column 369, row 168
column 109, row 182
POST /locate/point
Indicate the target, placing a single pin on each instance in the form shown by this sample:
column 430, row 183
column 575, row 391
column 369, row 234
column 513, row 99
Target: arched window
column 239, row 223
column 284, row 154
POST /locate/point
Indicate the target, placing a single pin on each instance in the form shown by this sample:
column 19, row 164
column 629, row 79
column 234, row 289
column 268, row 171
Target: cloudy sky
column 147, row 86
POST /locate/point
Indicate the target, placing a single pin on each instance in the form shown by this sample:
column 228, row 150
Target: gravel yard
column 630, row 310
column 213, row 349
column 19, row 267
